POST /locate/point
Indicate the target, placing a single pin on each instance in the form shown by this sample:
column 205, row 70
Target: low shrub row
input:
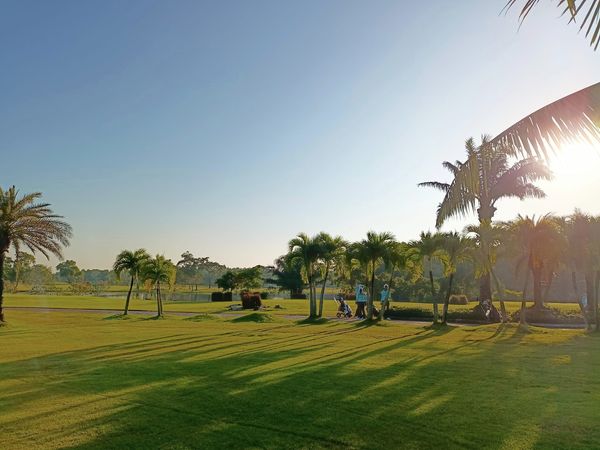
column 221, row 297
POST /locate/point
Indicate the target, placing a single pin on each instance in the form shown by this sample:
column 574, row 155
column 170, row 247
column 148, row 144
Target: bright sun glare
column 574, row 161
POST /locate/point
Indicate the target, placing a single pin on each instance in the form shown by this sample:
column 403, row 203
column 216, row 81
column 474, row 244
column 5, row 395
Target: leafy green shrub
column 250, row 300
column 264, row 295
column 216, row 297
column 227, row 296
column 459, row 299
column 549, row 315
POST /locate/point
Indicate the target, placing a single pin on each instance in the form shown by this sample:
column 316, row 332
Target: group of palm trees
column 142, row 268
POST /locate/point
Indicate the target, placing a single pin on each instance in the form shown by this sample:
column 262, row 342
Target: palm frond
column 571, row 118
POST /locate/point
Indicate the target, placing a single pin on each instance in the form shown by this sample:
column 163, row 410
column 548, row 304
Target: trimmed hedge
column 459, row 299
column 549, row 315
column 297, row 296
column 264, row 295
column 221, row 297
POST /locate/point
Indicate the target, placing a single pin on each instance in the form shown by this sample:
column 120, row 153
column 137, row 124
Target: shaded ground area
column 75, row 380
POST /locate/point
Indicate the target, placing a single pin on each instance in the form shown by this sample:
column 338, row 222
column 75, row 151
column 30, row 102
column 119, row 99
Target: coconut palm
column 133, row 262
column 583, row 255
column 484, row 178
column 330, row 251
column 24, row 222
column 158, row 270
column 307, row 250
column 541, row 245
column 455, row 249
column 428, row 248
column 370, row 252
column 400, row 256
column 574, row 9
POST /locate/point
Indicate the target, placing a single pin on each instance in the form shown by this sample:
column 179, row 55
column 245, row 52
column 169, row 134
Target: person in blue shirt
column 385, row 299
column 361, row 301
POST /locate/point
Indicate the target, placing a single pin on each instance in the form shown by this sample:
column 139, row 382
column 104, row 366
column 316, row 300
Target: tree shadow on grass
column 305, row 387
column 313, row 321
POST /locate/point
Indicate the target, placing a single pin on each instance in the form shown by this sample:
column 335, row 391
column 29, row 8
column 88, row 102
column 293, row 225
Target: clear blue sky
column 226, row 127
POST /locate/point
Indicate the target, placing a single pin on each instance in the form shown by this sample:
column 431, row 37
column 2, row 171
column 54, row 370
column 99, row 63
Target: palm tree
column 481, row 181
column 158, row 270
column 26, row 223
column 575, row 10
column 133, row 263
column 455, row 249
column 400, row 256
column 331, row 248
column 307, row 250
column 541, row 245
column 370, row 252
column 583, row 255
column 428, row 248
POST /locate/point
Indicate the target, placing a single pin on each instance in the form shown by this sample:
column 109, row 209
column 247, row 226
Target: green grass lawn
column 73, row 380
column 289, row 307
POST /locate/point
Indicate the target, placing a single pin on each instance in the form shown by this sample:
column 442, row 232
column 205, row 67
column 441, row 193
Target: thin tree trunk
column 578, row 299
column 158, row 306
column 2, row 256
column 500, row 290
column 323, row 289
column 433, row 296
column 447, row 299
column 597, row 287
column 371, row 295
column 128, row 297
column 537, row 289
column 522, row 315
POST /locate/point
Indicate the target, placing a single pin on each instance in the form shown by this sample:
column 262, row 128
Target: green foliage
column 68, row 271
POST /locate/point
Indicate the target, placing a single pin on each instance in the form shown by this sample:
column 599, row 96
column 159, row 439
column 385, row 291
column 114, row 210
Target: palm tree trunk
column 372, row 293
column 597, row 288
column 548, row 286
column 158, row 307
column 522, row 315
column 323, row 289
column 537, row 289
column 485, row 287
column 578, row 299
column 128, row 297
column 2, row 256
column 447, row 299
column 433, row 296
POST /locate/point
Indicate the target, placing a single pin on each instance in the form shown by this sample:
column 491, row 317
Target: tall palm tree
column 455, row 250
column 133, row 262
column 158, row 270
column 370, row 252
column 583, row 255
column 24, row 222
column 399, row 257
column 484, row 178
column 575, row 10
column 428, row 248
column 541, row 246
column 307, row 249
column 331, row 248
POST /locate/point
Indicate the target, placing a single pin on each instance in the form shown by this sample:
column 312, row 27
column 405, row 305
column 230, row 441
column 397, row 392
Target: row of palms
column 378, row 255
column 141, row 267
column 539, row 247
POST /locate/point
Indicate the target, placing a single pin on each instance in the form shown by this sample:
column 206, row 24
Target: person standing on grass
column 361, row 301
column 385, row 299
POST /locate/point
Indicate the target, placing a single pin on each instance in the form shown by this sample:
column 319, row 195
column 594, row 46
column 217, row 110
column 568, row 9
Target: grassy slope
column 290, row 306
column 86, row 381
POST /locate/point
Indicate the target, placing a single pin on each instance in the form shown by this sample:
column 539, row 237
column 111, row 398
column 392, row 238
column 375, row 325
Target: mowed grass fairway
column 76, row 380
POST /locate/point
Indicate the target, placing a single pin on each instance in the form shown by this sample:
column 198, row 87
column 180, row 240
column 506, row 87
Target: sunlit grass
column 77, row 380
column 288, row 307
